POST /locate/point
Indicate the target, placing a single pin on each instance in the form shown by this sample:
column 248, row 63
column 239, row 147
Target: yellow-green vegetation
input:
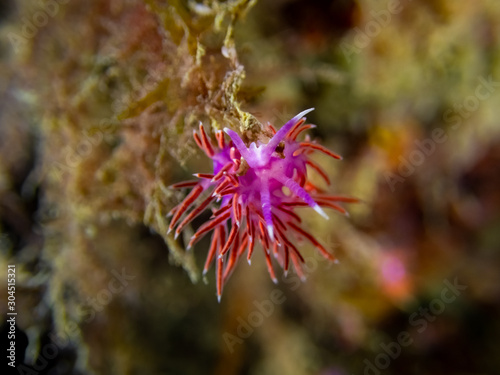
column 99, row 99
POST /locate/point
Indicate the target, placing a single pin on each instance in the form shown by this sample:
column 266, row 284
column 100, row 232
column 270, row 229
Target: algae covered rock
column 99, row 102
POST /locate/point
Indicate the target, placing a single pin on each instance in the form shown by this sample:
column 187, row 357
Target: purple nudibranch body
column 253, row 193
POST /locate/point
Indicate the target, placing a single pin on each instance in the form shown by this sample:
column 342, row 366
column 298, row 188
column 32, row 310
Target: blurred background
column 98, row 102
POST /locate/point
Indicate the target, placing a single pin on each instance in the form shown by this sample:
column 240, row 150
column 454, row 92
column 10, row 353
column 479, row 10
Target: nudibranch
column 253, row 194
